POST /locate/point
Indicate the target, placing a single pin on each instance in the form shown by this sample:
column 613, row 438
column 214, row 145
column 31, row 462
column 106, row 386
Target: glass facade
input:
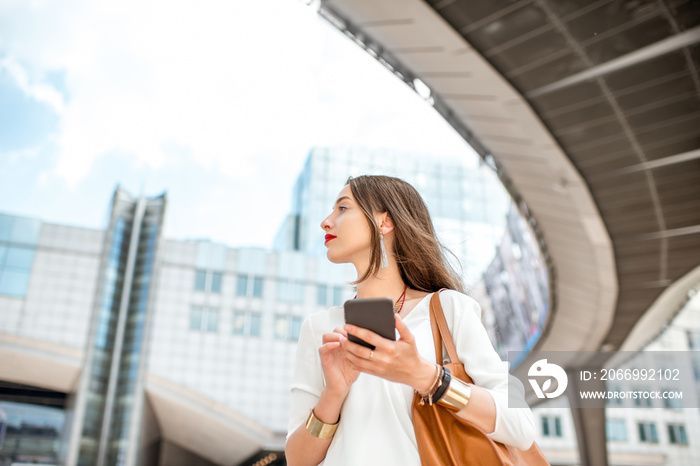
column 517, row 288
column 18, row 239
column 118, row 340
column 30, row 433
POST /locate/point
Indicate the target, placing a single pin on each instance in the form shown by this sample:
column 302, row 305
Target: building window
column 243, row 286
column 616, row 430
column 647, row 432
column 337, row 296
column 287, row 327
column 329, row 296
column 15, row 268
column 693, row 339
column 216, row 282
column 677, row 435
column 613, row 401
column 206, row 280
column 643, row 402
column 290, row 291
column 551, row 426
column 257, row 287
column 200, row 280
column 673, row 403
column 322, row 295
column 246, row 323
column 204, row 319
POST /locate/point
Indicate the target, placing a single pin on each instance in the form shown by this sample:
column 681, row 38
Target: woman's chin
column 334, row 258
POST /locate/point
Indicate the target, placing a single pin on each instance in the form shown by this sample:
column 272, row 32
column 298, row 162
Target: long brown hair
column 420, row 256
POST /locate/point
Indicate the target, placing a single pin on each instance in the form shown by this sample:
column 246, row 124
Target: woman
column 352, row 405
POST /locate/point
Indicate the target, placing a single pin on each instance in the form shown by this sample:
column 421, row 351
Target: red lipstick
column 329, row 237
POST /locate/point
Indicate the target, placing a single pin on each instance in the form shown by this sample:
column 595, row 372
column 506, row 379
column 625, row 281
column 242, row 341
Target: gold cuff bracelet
column 457, row 395
column 320, row 429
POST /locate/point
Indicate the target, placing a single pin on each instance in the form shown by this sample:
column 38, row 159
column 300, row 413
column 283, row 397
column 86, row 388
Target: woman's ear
column 385, row 224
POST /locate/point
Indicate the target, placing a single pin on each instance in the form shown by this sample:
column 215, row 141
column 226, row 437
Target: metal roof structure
column 590, row 111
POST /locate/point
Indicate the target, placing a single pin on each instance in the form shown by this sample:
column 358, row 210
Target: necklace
column 402, row 298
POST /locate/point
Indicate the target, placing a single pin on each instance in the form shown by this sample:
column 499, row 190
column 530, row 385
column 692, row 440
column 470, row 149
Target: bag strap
column 441, row 332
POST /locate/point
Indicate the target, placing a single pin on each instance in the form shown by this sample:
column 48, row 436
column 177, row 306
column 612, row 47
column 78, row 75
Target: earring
column 385, row 259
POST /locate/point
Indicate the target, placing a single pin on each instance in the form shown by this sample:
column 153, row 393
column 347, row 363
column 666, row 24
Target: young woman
column 352, row 405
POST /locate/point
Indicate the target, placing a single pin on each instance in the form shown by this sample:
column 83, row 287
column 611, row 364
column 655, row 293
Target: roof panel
column 610, row 17
column 460, row 15
column 679, row 126
column 672, row 146
column 629, row 40
column 509, row 28
column 673, row 108
column 573, row 95
column 562, row 64
column 685, row 12
column 566, row 119
column 658, row 95
column 528, row 52
column 581, row 133
column 647, row 71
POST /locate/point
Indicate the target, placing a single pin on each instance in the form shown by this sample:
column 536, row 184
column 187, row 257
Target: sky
column 215, row 102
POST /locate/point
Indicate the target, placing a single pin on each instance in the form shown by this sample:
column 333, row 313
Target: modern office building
column 639, row 431
column 122, row 347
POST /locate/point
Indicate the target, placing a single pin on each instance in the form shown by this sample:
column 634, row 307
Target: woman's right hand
column 337, row 369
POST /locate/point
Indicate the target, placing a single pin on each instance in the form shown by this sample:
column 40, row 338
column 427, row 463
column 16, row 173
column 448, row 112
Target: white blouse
column 375, row 420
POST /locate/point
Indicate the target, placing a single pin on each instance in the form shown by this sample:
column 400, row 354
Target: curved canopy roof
column 591, row 111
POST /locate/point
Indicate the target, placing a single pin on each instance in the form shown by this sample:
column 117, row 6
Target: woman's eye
column 342, row 208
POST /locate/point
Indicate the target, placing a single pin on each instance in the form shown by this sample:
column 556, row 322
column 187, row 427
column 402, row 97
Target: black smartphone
column 375, row 314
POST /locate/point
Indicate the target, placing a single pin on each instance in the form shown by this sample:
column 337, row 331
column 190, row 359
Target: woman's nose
column 325, row 224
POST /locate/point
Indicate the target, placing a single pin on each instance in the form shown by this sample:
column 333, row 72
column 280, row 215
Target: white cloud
column 38, row 90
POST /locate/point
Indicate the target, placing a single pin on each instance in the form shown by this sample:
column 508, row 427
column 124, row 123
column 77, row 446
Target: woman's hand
column 339, row 373
column 397, row 361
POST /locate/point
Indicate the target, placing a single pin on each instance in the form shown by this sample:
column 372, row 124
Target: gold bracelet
column 320, row 429
column 457, row 395
column 433, row 386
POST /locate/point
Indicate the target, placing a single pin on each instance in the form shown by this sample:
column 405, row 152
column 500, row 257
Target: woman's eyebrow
column 340, row 199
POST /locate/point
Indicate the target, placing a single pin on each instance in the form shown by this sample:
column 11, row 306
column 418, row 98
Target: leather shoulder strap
column 441, row 330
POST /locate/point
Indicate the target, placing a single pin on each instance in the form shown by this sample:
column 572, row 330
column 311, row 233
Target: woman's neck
column 386, row 283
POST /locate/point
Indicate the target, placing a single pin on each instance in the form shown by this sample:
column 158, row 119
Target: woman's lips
column 329, row 237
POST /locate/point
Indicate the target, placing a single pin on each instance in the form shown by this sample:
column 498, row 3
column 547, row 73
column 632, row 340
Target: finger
column 358, row 350
column 359, row 363
column 366, row 335
column 328, row 337
column 404, row 332
column 341, row 331
column 328, row 347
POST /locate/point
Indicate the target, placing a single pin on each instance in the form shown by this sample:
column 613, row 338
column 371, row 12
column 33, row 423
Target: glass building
column 122, row 347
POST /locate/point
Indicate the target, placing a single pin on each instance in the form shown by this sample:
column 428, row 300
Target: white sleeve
column 514, row 426
column 307, row 382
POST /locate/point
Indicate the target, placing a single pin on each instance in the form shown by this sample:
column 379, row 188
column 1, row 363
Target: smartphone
column 375, row 314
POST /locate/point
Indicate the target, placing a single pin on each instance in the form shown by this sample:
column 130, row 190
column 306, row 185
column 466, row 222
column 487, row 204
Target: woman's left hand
column 397, row 361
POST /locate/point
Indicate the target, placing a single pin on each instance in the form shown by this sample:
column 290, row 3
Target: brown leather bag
column 446, row 439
